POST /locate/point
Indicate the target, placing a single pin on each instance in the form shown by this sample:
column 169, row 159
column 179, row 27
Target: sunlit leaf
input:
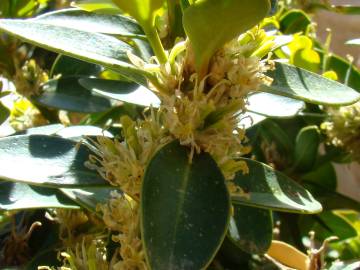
column 46, row 161
column 266, row 188
column 209, row 24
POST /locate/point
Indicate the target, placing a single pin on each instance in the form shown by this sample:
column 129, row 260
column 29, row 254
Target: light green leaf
column 306, row 148
column 17, row 196
column 273, row 105
column 266, row 188
column 98, row 6
column 90, row 47
column 209, row 24
column 251, row 229
column 92, row 22
column 68, row 94
column 46, row 161
column 185, row 209
column 353, row 41
column 124, row 91
column 300, row 84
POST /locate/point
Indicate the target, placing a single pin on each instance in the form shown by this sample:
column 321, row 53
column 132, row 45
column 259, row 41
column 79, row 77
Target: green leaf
column 90, row 47
column 185, row 209
column 346, row 9
column 89, row 198
column 270, row 189
column 124, row 91
column 327, row 224
column 273, row 105
column 46, row 161
column 209, row 24
column 294, row 21
column 72, row 132
column 92, row 22
column 251, row 229
column 98, row 6
column 17, row 196
column 306, row 148
column 345, row 266
column 300, row 84
column 347, row 73
column 4, row 113
column 324, row 175
column 68, row 66
column 353, row 41
column 68, row 94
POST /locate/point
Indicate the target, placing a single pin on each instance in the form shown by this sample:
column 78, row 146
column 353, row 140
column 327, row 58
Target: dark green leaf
column 68, row 94
column 4, row 113
column 90, row 47
column 47, row 161
column 323, row 175
column 306, row 148
column 273, row 105
column 251, row 229
column 92, row 22
column 347, row 9
column 209, row 24
column 17, row 196
column 294, row 21
column 185, row 209
column 267, row 188
column 300, row 84
column 68, row 66
column 124, row 91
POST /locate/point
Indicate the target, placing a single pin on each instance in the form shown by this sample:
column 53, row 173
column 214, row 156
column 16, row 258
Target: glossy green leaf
column 185, row 209
column 294, row 21
column 209, row 24
column 273, row 105
column 251, row 229
column 327, row 224
column 353, row 41
column 300, row 84
column 92, row 22
column 68, row 94
column 90, row 47
column 98, row 6
column 89, row 198
column 17, row 196
column 267, row 188
column 68, row 66
column 4, row 113
column 306, row 148
column 124, row 91
column 46, row 161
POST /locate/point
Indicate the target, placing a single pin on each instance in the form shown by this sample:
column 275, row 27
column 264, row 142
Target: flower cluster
column 202, row 113
column 343, row 128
